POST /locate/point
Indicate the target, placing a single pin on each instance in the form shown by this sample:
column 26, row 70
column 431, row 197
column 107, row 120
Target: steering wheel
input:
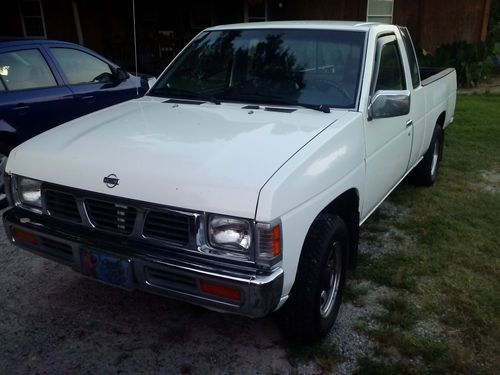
column 324, row 84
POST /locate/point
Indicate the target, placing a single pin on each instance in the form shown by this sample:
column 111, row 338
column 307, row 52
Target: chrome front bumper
column 157, row 272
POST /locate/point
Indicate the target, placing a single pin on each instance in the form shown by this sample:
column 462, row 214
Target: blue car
column 44, row 83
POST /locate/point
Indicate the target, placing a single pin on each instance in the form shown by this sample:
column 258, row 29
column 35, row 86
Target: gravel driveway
column 54, row 321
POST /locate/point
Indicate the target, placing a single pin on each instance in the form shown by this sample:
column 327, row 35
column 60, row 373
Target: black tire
column 426, row 171
column 307, row 315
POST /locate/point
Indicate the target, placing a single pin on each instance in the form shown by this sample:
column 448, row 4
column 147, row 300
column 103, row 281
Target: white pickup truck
column 239, row 182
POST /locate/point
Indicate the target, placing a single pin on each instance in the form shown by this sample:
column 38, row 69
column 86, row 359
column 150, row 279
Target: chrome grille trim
column 162, row 225
column 120, row 216
column 111, row 216
column 62, row 205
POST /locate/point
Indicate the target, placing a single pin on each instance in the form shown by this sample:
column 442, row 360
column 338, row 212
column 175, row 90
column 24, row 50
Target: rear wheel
column 426, row 172
column 315, row 298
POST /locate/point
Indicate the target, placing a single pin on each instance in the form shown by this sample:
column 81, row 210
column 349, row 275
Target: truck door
column 417, row 111
column 387, row 140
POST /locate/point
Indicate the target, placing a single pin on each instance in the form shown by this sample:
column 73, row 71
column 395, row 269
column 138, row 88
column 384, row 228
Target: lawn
column 444, row 314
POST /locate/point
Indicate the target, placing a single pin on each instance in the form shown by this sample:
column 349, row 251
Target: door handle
column 409, row 123
column 20, row 107
column 87, row 97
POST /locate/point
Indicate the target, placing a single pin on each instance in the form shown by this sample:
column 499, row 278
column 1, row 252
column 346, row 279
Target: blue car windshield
column 268, row 66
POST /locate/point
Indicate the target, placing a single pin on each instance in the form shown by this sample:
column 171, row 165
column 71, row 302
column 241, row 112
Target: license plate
column 107, row 268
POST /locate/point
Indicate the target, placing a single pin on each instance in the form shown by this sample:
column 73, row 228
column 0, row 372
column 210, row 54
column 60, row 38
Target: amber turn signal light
column 276, row 240
column 23, row 236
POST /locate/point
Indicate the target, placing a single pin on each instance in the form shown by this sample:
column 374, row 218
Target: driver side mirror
column 120, row 74
column 389, row 103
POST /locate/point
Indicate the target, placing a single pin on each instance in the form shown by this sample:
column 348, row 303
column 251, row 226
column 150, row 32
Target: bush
column 473, row 62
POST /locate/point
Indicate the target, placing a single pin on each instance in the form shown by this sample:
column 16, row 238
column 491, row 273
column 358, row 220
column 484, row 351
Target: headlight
column 29, row 192
column 230, row 233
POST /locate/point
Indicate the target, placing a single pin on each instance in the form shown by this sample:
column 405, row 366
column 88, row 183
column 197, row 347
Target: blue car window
column 25, row 69
column 81, row 67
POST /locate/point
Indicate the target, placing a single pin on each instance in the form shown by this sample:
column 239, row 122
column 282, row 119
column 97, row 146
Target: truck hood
column 205, row 157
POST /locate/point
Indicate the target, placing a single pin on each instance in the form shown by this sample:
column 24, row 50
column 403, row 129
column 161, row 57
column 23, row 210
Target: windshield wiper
column 256, row 97
column 275, row 99
column 317, row 107
column 173, row 92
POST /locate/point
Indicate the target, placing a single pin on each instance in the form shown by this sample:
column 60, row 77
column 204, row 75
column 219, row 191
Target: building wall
column 165, row 26
column 443, row 21
column 430, row 22
column 107, row 27
column 10, row 24
column 349, row 10
column 59, row 20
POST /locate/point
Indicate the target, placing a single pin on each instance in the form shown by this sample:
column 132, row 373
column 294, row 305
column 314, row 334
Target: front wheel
column 315, row 298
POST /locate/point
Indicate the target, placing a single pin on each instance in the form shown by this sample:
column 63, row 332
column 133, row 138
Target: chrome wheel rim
column 3, row 162
column 330, row 280
column 435, row 158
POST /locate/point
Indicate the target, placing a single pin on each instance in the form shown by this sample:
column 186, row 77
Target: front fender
column 326, row 167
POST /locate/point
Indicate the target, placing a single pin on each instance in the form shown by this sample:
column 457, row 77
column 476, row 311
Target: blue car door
column 94, row 81
column 33, row 97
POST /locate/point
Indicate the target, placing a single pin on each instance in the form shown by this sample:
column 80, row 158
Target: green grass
column 452, row 273
column 355, row 294
column 324, row 354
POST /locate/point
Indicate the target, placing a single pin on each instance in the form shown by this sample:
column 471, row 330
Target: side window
column 80, row 67
column 26, row 69
column 390, row 74
column 412, row 58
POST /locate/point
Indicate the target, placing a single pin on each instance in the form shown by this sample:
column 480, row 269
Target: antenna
column 135, row 50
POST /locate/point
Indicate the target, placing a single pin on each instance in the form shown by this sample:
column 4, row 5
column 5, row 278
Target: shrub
column 473, row 62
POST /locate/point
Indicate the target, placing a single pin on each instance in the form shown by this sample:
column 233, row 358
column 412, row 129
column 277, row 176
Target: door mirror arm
column 369, row 111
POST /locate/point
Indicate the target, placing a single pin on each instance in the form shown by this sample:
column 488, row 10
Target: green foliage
column 324, row 354
column 370, row 367
column 454, row 264
column 473, row 62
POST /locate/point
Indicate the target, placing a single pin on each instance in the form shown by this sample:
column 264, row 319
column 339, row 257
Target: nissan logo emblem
column 111, row 180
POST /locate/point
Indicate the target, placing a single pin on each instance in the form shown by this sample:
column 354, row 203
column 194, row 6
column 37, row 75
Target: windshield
column 268, row 66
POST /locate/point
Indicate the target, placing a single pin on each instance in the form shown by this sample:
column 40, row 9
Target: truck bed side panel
column 440, row 97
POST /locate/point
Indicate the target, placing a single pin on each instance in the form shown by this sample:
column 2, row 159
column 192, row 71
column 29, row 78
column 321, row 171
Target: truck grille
column 62, row 205
column 167, row 226
column 124, row 217
column 111, row 216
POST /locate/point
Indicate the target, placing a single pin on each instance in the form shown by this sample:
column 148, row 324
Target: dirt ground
column 54, row 321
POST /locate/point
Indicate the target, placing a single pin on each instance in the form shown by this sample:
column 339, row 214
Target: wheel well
column 8, row 142
column 346, row 206
column 441, row 119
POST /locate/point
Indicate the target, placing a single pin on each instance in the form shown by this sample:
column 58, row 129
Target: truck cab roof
column 328, row 25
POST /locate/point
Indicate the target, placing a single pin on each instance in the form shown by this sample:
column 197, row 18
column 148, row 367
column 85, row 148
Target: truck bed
column 431, row 74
